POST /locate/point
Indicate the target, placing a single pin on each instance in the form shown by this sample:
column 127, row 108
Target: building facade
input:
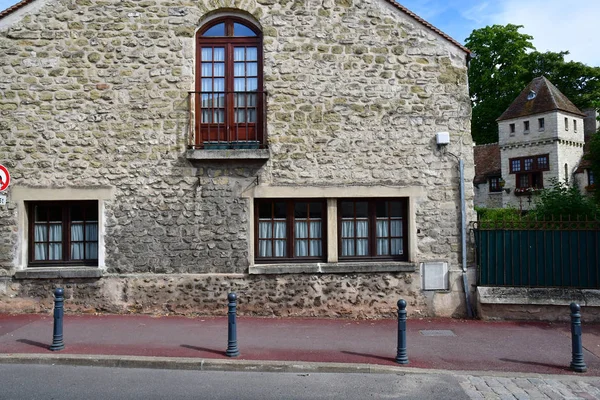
column 540, row 139
column 163, row 155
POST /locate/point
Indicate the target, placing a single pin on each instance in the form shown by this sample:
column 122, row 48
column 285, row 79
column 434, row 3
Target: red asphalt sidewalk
column 472, row 345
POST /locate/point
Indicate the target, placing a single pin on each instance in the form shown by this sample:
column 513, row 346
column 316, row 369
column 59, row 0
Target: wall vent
column 434, row 275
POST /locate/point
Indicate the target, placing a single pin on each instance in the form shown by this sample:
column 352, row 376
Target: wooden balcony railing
column 227, row 120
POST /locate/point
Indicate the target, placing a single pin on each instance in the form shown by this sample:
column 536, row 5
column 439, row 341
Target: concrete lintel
column 229, row 154
column 332, row 268
column 538, row 296
column 59, row 273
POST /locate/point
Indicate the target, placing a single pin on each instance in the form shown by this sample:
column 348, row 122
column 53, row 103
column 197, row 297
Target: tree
column 505, row 61
column 495, row 75
column 564, row 201
column 594, row 157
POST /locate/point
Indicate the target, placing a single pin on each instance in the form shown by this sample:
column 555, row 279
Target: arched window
column 229, row 98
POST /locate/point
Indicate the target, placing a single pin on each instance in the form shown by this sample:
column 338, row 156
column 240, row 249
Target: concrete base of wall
column 539, row 304
column 372, row 295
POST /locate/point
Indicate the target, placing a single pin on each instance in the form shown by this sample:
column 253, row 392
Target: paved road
column 69, row 382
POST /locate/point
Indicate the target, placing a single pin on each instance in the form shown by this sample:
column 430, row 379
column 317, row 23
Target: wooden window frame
column 494, row 188
column 66, row 222
column 534, row 172
column 229, row 42
column 372, row 235
column 541, row 124
column 290, row 232
column 526, row 126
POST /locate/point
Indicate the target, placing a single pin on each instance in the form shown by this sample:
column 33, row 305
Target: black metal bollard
column 57, row 338
column 401, row 356
column 232, row 346
column 577, row 363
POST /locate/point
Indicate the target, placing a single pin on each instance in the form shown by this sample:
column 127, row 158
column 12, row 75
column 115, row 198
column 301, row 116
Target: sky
column 556, row 25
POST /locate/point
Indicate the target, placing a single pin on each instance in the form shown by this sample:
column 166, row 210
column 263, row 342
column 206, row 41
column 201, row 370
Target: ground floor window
column 290, row 229
column 63, row 233
column 372, row 228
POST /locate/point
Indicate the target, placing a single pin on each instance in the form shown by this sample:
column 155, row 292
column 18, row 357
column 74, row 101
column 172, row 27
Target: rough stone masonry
column 94, row 96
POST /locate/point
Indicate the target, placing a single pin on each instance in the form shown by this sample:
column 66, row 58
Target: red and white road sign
column 4, row 178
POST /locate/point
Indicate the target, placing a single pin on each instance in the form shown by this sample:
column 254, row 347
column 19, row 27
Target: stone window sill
column 332, row 268
column 59, row 273
column 229, row 154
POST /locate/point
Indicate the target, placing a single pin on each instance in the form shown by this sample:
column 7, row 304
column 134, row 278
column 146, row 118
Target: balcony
column 227, row 125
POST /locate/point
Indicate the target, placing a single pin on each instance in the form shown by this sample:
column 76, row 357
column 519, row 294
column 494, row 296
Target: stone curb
column 207, row 364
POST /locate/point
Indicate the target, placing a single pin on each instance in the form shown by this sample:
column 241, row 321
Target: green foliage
column 594, row 157
column 495, row 75
column 563, row 201
column 503, row 64
column 497, row 214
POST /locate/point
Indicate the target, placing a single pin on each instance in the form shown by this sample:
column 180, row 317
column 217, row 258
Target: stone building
column 541, row 137
column 164, row 153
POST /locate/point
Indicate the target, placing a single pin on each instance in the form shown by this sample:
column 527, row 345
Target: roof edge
column 428, row 25
column 394, row 3
column 14, row 7
column 539, row 113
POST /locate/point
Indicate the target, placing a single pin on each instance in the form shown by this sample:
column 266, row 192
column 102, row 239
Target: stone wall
column 94, row 94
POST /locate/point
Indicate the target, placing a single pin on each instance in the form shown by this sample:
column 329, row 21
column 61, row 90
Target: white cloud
column 556, row 25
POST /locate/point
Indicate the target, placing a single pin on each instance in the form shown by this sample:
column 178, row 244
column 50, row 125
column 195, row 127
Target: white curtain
column 316, row 247
column 383, row 244
column 41, row 234
column 360, row 238
column 77, row 241
column 301, row 242
column 239, row 53
column 271, row 231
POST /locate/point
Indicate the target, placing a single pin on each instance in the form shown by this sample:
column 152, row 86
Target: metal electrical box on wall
column 434, row 275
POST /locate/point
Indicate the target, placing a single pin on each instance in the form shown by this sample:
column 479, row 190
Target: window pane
column 219, row 85
column 382, row 228
column 41, row 213
column 77, row 251
column 383, row 247
column 55, row 232
column 55, row 213
column 239, row 85
column 219, row 69
column 207, row 69
column 280, row 210
column 315, row 229
column 251, row 84
column 362, row 209
column 301, row 248
column 251, row 54
column 264, row 210
column 251, row 69
column 396, row 209
column 219, row 54
column 528, row 164
column 279, row 248
column 216, row 30
column 55, row 251
column 265, row 229
column 40, row 252
column 239, row 54
column 515, row 165
column 301, row 210
column 347, row 247
column 397, row 248
column 396, row 227
column 381, row 209
column 362, row 247
column 242, row 30
column 362, row 228
column 315, row 208
column 206, row 85
column 91, row 232
column 301, row 229
column 264, row 248
column 239, row 69
column 207, row 54
column 316, row 248
column 347, row 229
column 40, row 233
column 251, row 115
column 91, row 251
column 240, row 116
column 251, row 99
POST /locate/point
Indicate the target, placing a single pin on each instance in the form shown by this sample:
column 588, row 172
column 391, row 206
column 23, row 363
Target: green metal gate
column 518, row 256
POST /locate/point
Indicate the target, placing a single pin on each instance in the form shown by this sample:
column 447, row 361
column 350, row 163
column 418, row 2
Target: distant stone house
column 541, row 136
column 163, row 154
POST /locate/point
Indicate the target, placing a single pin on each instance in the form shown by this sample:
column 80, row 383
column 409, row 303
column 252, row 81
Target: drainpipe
column 463, row 236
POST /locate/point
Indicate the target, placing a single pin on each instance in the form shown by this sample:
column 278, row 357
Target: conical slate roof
column 538, row 97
